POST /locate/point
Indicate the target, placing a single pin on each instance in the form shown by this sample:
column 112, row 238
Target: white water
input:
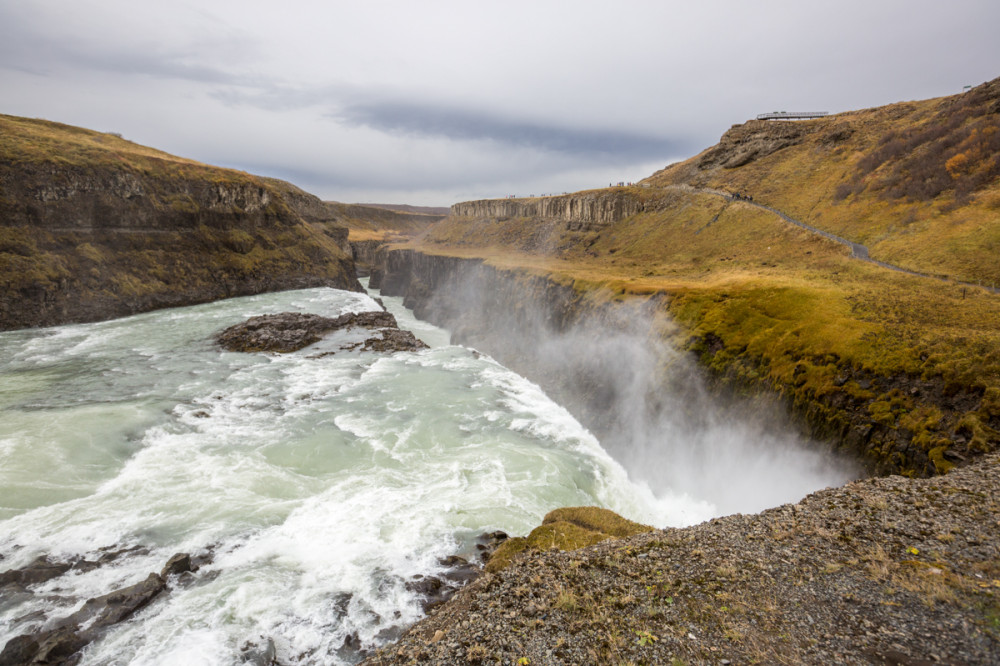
column 320, row 484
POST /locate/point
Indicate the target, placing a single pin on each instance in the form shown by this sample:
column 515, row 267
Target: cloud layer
column 435, row 102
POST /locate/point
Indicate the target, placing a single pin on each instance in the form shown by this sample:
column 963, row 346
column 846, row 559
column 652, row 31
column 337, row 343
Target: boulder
column 291, row 331
column 393, row 340
column 39, row 571
column 115, row 606
column 178, row 564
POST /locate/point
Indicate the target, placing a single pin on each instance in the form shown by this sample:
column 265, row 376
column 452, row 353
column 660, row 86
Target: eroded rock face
column 751, row 141
column 579, row 212
column 291, row 331
column 111, row 231
column 38, row 571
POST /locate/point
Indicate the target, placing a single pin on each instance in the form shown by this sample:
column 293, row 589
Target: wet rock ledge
column 881, row 571
column 59, row 641
column 291, row 331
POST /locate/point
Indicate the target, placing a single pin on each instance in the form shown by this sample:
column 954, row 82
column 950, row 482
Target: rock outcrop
column 367, row 255
column 291, row 331
column 881, row 571
column 94, row 227
column 750, row 141
column 59, row 642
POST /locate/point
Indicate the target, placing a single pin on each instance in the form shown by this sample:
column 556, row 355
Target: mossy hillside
column 917, row 182
column 775, row 289
column 788, row 310
column 567, row 528
column 63, row 176
column 35, row 141
column 374, row 223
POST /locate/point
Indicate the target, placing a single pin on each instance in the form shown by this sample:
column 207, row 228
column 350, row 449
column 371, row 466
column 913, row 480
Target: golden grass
column 27, row 140
column 945, row 235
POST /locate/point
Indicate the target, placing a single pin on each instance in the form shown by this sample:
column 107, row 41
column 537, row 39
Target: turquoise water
column 319, row 484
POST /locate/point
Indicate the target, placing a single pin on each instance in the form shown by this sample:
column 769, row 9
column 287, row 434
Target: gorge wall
column 94, row 227
column 580, row 346
column 617, row 367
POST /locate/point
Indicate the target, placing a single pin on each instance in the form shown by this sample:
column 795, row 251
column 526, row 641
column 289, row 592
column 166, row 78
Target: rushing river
column 319, row 485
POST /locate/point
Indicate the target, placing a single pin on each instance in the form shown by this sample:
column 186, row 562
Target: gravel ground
column 884, row 571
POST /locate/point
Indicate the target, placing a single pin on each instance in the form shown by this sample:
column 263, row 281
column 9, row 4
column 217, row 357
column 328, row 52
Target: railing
column 789, row 115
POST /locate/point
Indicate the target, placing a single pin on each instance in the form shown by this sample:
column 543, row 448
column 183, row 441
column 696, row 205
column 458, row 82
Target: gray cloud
column 429, row 102
column 26, row 45
column 466, row 125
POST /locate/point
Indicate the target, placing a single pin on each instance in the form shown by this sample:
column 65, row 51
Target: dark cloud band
column 465, row 125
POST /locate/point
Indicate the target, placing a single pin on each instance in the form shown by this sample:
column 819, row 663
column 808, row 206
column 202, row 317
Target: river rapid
column 312, row 486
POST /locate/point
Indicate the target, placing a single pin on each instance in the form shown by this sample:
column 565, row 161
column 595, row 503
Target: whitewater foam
column 314, row 489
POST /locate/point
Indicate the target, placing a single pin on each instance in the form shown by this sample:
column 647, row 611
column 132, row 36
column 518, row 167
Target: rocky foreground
column 886, row 571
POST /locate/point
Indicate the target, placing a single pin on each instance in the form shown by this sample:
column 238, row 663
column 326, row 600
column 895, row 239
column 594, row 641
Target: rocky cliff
column 882, row 571
column 617, row 365
column 584, row 211
column 93, row 226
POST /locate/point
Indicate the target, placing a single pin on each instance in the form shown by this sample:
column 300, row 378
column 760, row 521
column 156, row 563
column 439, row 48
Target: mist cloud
column 647, row 402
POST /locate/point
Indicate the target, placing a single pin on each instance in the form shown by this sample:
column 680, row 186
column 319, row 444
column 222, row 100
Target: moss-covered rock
column 567, row 528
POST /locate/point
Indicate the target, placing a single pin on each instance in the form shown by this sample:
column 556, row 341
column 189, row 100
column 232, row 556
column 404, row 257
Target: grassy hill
column 905, row 368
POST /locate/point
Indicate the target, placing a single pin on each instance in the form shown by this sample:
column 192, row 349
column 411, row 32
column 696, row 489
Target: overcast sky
column 436, row 102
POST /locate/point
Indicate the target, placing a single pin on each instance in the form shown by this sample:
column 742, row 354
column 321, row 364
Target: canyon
column 630, row 306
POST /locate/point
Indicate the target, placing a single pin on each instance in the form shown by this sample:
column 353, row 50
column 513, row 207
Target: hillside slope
column 903, row 370
column 93, row 226
column 376, row 222
column 917, row 182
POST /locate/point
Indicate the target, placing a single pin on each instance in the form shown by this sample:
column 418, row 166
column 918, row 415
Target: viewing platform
column 792, row 115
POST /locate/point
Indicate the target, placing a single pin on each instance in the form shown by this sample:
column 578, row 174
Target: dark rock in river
column 178, row 564
column 394, row 340
column 38, row 571
column 57, row 647
column 60, row 644
column 112, row 608
column 291, row 331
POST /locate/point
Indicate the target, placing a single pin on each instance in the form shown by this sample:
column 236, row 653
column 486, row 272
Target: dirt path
column 858, row 251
